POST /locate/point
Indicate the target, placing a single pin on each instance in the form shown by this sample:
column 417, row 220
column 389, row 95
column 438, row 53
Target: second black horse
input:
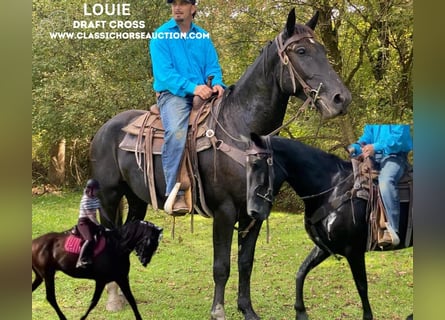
column 336, row 223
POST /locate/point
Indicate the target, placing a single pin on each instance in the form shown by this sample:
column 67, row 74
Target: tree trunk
column 348, row 135
column 56, row 172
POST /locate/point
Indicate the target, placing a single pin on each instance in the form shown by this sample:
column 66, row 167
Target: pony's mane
column 133, row 232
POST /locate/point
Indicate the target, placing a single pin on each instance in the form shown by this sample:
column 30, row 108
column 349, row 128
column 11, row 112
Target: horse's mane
column 302, row 28
column 297, row 147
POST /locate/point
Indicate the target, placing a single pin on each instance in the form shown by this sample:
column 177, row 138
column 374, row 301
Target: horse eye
column 301, row 50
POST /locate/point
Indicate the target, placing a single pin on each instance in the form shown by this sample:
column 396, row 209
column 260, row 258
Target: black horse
column 294, row 64
column 112, row 264
column 335, row 221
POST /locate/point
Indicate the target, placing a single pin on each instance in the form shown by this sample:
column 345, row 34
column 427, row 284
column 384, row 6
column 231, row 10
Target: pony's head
column 143, row 237
column 148, row 245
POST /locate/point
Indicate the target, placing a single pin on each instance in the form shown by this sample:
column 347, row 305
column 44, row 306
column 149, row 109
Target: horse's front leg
column 356, row 261
column 315, row 257
column 100, row 285
column 247, row 239
column 124, row 284
column 222, row 242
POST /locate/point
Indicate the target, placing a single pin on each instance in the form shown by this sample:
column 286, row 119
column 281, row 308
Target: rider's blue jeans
column 175, row 114
column 391, row 170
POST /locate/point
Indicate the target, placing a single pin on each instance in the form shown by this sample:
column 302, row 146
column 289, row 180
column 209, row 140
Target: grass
column 178, row 283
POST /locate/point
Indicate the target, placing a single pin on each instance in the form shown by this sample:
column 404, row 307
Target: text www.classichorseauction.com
column 119, row 28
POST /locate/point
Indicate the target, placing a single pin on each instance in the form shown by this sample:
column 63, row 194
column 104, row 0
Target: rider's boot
column 85, row 256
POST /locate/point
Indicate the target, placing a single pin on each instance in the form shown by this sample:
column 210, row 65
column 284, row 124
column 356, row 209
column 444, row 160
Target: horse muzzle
column 259, row 212
column 333, row 105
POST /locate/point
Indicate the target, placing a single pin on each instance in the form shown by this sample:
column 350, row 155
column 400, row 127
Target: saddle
column 366, row 187
column 145, row 135
column 74, row 241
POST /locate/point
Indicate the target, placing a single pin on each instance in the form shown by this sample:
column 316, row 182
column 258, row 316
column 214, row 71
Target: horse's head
column 260, row 177
column 305, row 71
column 145, row 236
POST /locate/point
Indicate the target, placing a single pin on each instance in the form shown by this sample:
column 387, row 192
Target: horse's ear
column 290, row 24
column 313, row 22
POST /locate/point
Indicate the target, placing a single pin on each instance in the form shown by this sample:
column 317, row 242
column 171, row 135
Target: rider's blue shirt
column 181, row 61
column 386, row 138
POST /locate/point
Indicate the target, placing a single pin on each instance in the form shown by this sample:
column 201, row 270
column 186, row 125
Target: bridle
column 282, row 47
column 266, row 154
column 311, row 94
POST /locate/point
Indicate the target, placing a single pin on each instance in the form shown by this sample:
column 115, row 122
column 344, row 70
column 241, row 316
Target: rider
column 389, row 145
column 183, row 57
column 87, row 223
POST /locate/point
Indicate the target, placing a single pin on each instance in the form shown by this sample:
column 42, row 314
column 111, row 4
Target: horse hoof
column 218, row 313
column 302, row 316
column 115, row 305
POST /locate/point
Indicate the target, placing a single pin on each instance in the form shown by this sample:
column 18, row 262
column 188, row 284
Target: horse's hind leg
column 110, row 200
column 51, row 294
column 96, row 296
column 37, row 281
column 125, row 287
column 356, row 261
column 315, row 257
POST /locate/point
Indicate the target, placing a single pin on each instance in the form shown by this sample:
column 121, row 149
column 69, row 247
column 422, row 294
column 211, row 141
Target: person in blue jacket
column 183, row 57
column 389, row 145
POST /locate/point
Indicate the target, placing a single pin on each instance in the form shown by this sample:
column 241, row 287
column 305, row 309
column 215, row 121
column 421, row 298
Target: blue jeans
column 175, row 114
column 392, row 169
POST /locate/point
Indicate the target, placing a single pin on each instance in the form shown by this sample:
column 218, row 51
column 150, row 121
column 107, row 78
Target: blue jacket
column 180, row 64
column 386, row 138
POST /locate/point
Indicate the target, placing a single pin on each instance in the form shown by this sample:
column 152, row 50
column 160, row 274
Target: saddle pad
column 73, row 245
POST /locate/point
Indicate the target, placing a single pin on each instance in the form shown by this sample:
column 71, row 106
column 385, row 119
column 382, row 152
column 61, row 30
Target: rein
column 328, row 190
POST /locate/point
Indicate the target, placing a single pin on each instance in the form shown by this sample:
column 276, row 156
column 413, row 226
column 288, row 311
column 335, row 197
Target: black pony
column 335, row 221
column 112, row 264
column 293, row 64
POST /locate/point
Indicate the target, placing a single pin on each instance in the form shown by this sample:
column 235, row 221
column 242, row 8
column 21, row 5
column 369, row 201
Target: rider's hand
column 368, row 150
column 203, row 91
column 218, row 89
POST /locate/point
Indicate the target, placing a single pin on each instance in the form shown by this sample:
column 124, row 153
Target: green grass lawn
column 178, row 282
